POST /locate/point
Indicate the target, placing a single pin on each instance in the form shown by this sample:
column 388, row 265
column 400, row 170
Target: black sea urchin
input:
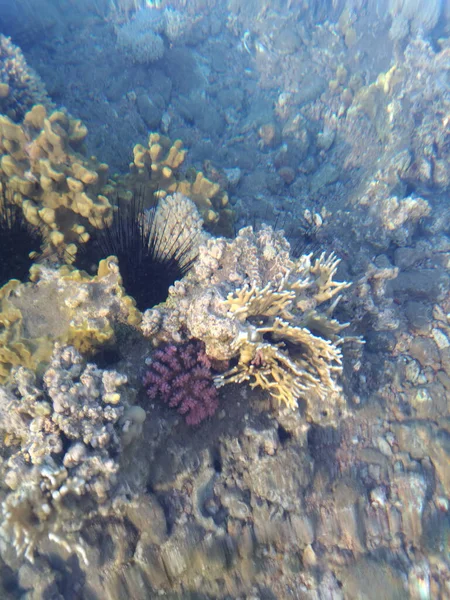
column 152, row 255
column 20, row 242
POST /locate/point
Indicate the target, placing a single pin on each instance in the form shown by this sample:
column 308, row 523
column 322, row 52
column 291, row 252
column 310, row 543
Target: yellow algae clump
column 373, row 101
column 15, row 348
column 64, row 305
column 43, row 171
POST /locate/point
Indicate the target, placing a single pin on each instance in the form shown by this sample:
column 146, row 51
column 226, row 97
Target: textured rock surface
column 314, row 119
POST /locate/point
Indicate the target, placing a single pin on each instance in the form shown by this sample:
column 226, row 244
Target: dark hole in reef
column 410, row 189
column 405, row 407
column 217, row 461
column 322, row 442
column 168, row 510
column 20, row 242
column 10, row 581
column 106, row 357
column 259, row 320
column 66, row 443
column 283, row 435
column 69, row 571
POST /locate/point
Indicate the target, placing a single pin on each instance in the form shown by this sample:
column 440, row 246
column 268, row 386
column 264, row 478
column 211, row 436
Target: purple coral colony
column 182, row 376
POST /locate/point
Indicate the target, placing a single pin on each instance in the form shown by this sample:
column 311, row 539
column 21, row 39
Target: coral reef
column 140, row 37
column 247, row 300
column 20, row 86
column 411, row 16
column 158, row 168
column 396, row 158
column 310, row 109
column 61, row 304
column 66, row 448
column 181, row 375
column 415, row 80
column 66, row 195
column 56, row 186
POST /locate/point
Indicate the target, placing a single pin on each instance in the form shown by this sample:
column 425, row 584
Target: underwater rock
column 61, row 304
column 233, row 284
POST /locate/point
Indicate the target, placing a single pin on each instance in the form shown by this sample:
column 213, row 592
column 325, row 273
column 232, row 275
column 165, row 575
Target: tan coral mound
column 60, row 304
column 252, row 304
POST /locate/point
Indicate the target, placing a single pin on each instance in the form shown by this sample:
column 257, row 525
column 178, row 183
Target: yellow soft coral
column 43, row 171
column 287, row 344
column 157, row 167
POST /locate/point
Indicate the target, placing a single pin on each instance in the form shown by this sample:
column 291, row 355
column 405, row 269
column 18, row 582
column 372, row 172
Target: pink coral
column 181, row 375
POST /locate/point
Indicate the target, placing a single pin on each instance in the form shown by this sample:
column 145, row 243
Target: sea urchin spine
column 151, row 255
column 20, row 242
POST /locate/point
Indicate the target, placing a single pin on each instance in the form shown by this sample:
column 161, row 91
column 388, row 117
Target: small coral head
column 182, row 377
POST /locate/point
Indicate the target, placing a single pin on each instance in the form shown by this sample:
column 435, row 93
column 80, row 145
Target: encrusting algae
column 63, row 305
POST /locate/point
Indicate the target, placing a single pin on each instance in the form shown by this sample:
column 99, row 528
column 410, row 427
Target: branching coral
column 182, row 376
column 251, row 303
column 291, row 355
